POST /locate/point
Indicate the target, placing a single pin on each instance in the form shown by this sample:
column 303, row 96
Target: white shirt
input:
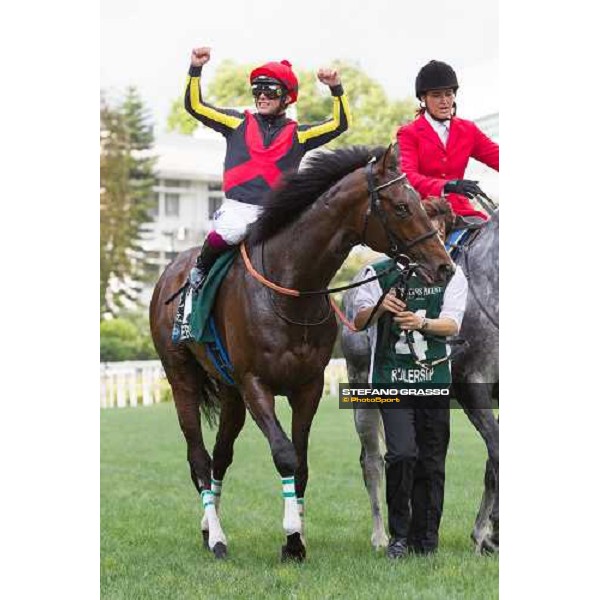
column 442, row 128
column 453, row 303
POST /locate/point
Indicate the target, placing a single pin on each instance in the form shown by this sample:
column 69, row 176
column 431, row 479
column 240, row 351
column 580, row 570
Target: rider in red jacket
column 435, row 148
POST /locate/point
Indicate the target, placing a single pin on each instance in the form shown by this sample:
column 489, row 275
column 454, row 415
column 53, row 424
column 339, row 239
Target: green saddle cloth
column 203, row 301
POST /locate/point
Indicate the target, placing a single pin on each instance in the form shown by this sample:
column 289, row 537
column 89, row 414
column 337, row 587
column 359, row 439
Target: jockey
column 435, row 148
column 261, row 145
column 416, row 436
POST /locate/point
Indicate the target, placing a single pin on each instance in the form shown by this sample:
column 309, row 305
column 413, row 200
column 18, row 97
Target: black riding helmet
column 435, row 75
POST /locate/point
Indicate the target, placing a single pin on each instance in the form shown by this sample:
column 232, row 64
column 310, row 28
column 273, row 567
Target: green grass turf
column 150, row 518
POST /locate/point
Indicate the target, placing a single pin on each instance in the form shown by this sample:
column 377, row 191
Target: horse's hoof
column 488, row 546
column 294, row 550
column 379, row 542
column 205, row 538
column 220, row 550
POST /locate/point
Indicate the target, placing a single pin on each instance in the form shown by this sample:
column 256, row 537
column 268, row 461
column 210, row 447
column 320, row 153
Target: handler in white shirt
column 416, row 435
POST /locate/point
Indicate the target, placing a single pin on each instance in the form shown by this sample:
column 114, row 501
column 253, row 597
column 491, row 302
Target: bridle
column 397, row 246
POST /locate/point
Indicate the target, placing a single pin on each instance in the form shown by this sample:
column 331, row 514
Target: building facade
column 489, row 180
column 189, row 171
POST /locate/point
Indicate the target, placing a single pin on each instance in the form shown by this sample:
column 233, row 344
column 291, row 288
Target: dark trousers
column 417, row 443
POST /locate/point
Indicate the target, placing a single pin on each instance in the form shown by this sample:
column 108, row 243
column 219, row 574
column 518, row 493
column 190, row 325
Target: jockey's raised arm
column 317, row 134
column 220, row 119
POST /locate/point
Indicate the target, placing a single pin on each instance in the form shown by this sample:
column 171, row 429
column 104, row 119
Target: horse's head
column 395, row 222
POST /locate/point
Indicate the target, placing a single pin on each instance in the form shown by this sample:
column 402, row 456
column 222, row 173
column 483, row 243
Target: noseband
column 397, row 246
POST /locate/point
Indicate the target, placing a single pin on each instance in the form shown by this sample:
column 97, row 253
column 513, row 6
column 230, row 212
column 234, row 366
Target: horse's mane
column 297, row 191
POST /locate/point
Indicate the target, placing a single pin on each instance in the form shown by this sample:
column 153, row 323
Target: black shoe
column 397, row 548
column 204, row 262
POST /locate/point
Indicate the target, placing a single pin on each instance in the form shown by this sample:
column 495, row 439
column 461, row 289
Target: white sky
column 148, row 43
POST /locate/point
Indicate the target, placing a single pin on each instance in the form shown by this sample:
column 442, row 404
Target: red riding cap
column 282, row 71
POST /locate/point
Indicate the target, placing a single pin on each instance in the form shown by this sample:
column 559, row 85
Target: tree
column 126, row 338
column 375, row 118
column 126, row 195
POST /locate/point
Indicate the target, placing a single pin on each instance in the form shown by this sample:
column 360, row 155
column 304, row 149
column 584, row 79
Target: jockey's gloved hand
column 464, row 187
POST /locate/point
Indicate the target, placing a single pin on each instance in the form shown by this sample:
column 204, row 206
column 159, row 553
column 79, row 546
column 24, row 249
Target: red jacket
column 428, row 165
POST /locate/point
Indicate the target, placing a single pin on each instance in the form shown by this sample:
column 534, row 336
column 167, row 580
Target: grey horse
column 475, row 373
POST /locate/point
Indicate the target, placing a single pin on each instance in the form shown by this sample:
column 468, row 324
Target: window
column 215, row 186
column 153, row 210
column 214, row 203
column 172, row 205
column 177, row 183
column 152, row 256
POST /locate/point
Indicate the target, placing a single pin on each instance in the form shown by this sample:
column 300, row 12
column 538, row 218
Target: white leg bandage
column 215, row 533
column 300, row 502
column 215, row 487
column 302, row 521
column 291, row 514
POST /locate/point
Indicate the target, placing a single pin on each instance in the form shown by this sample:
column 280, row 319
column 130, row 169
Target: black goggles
column 270, row 90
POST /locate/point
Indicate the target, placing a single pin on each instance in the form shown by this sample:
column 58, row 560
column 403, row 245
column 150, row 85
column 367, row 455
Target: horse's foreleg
column 370, row 430
column 304, row 403
column 261, row 404
column 231, row 421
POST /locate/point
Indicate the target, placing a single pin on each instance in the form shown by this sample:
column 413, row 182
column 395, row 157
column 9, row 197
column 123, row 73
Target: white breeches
column 232, row 219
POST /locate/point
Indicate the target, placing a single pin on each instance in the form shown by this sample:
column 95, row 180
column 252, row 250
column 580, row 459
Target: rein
column 298, row 293
column 402, row 294
column 486, row 203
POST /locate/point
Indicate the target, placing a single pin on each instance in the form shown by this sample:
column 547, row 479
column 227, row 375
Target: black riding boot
column 398, row 489
column 206, row 259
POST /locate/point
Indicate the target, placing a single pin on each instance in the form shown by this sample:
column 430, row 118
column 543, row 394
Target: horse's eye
column 402, row 211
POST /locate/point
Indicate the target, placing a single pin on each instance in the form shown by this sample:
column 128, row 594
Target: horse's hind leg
column 185, row 379
column 481, row 534
column 231, row 421
column 487, row 425
column 369, row 428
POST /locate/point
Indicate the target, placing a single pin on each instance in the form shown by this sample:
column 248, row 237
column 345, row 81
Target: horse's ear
column 390, row 159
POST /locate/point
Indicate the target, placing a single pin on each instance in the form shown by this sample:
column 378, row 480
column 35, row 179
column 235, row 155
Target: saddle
column 465, row 222
column 465, row 230
column 194, row 321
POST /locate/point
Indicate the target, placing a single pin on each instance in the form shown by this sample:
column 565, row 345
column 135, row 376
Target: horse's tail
column 209, row 397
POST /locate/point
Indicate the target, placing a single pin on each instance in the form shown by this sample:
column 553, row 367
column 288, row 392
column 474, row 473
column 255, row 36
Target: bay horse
column 280, row 345
column 475, row 376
